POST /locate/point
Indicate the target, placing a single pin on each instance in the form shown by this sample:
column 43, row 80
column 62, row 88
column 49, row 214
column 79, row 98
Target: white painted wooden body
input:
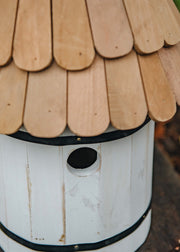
column 43, row 202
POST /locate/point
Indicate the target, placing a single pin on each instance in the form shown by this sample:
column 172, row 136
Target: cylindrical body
column 46, row 201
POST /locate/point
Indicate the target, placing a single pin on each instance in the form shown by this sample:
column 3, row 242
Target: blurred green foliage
column 177, row 2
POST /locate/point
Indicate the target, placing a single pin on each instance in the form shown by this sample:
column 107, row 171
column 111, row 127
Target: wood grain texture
column 7, row 23
column 147, row 34
column 170, row 58
column 73, row 45
column 45, row 110
column 12, row 97
column 166, row 21
column 174, row 10
column 127, row 101
column 88, row 113
column 32, row 42
column 110, row 27
column 160, row 99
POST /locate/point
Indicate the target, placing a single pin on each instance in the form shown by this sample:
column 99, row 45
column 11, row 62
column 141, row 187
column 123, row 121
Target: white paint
column 46, row 199
column 115, row 187
column 43, row 202
column 82, row 203
column 128, row 244
column 149, row 162
column 139, row 171
column 15, row 193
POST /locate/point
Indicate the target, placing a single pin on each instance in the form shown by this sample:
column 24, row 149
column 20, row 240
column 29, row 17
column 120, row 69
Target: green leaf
column 177, row 2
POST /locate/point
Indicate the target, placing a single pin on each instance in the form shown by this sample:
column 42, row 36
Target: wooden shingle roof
column 87, row 63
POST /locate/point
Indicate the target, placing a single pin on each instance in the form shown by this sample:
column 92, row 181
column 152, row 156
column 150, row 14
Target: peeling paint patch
column 62, row 239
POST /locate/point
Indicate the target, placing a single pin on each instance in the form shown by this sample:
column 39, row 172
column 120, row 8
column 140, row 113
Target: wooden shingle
column 87, row 64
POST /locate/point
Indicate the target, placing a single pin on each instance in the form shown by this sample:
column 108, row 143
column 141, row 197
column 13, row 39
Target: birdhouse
column 81, row 84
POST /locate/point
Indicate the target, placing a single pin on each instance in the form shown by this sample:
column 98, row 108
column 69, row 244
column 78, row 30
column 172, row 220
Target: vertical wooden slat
column 15, row 188
column 88, row 113
column 160, row 99
column 144, row 24
column 110, row 27
column 73, row 45
column 133, row 241
column 8, row 10
column 166, row 21
column 149, row 161
column 139, row 169
column 32, row 42
column 115, row 185
column 45, row 110
column 82, row 198
column 12, row 97
column 45, row 166
column 127, row 101
column 170, row 58
column 3, row 207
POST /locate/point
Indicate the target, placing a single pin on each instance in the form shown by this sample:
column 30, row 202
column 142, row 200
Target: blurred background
column 167, row 138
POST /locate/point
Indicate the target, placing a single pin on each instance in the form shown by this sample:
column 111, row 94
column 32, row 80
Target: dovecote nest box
column 80, row 82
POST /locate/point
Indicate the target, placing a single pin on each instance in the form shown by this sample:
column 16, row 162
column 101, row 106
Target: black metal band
column 76, row 247
column 72, row 140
